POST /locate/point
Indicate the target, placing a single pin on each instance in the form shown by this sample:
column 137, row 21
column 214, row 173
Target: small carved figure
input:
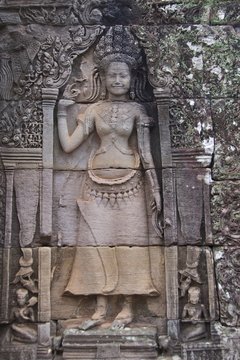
column 114, row 218
column 23, row 276
column 190, row 273
column 23, row 314
column 196, row 314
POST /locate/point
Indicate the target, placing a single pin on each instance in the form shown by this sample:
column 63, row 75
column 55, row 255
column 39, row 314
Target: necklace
column 110, row 114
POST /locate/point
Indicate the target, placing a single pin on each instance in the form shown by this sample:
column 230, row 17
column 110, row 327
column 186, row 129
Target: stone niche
column 119, row 188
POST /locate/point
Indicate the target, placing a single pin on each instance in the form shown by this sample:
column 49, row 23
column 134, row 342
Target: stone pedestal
column 138, row 343
column 18, row 352
column 202, row 350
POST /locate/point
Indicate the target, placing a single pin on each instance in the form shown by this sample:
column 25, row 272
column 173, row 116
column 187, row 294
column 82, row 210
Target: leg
column 101, row 308
column 99, row 316
column 125, row 316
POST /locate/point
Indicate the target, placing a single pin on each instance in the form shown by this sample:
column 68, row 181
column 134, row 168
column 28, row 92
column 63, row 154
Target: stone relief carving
column 21, row 326
column 114, row 186
column 190, row 273
column 53, row 63
column 225, row 213
column 26, row 71
column 24, row 274
column 18, row 50
column 84, row 12
column 48, row 15
column 225, row 113
column 21, row 124
column 193, row 62
column 2, row 203
column 23, row 315
column 194, row 313
column 159, row 73
column 227, row 273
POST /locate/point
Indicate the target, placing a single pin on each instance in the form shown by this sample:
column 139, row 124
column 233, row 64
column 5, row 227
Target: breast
column 123, row 126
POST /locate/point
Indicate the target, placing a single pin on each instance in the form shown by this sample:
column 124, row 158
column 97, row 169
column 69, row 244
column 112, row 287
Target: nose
column 117, row 80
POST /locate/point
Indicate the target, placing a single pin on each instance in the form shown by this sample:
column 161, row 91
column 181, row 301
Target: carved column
column 5, row 252
column 49, row 99
column 169, row 202
column 170, row 212
column 9, row 169
column 44, row 279
column 171, row 270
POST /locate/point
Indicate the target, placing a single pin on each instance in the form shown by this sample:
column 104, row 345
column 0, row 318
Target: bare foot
column 99, row 314
column 119, row 324
column 88, row 324
column 125, row 316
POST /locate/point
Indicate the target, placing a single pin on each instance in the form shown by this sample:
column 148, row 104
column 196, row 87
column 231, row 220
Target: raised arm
column 70, row 142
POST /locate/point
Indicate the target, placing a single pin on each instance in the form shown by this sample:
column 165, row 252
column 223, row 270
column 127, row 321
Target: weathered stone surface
column 20, row 271
column 191, row 125
column 225, row 212
column 27, row 189
column 2, row 202
column 18, row 352
column 21, row 124
column 225, row 12
column 199, row 349
column 131, row 219
column 230, row 341
column 44, row 58
column 196, row 270
column 108, row 344
column 225, row 113
column 65, row 283
column 227, row 274
column 198, row 60
column 192, row 201
column 221, row 64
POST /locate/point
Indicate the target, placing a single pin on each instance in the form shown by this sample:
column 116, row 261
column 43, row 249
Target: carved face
column 118, row 78
column 194, row 297
column 21, row 299
column 22, row 296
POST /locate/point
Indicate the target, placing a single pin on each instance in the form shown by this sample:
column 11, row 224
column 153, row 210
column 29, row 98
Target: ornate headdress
column 117, row 45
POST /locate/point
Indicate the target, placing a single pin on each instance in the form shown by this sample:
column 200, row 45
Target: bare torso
column 114, row 124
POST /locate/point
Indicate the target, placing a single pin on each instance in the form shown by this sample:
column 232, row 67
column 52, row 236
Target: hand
column 156, row 202
column 156, row 213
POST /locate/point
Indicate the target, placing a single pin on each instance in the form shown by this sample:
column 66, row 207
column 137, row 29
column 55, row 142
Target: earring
column 132, row 93
column 103, row 93
column 132, row 90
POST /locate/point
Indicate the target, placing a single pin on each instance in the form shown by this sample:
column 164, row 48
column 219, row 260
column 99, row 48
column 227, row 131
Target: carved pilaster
column 44, row 350
column 169, row 207
column 171, row 269
column 213, row 308
column 4, row 285
column 49, row 99
column 169, row 202
column 162, row 100
column 9, row 169
column 44, row 275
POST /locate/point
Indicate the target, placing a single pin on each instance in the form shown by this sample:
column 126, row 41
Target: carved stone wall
column 167, row 249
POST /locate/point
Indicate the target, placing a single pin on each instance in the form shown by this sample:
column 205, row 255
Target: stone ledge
column 137, row 343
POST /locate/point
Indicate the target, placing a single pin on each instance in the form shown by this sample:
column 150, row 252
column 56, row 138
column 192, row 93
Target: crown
column 118, row 44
